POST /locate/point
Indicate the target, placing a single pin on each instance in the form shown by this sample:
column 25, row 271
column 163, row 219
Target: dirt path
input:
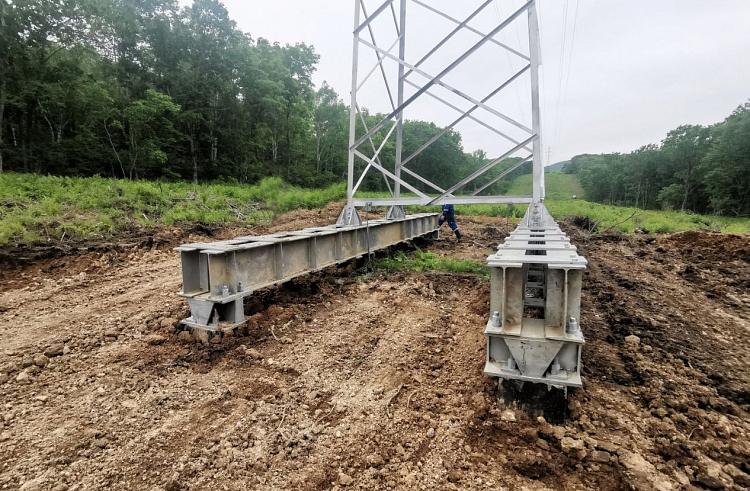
column 345, row 381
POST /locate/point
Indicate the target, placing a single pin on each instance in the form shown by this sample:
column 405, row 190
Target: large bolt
column 225, row 291
column 573, row 326
column 555, row 367
column 511, row 363
column 495, row 319
column 240, row 287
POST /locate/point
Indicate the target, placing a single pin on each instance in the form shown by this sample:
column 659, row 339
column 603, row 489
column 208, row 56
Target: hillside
column 559, row 187
column 558, row 167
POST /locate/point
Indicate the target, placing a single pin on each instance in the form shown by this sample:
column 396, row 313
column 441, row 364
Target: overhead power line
column 521, row 112
column 561, row 71
column 570, row 64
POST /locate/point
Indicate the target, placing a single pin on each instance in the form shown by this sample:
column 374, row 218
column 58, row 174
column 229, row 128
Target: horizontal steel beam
column 216, row 276
column 454, row 200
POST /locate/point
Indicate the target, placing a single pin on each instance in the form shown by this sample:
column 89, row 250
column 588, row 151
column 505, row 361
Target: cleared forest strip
column 57, row 210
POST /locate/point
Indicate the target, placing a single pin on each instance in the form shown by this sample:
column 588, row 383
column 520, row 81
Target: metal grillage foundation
column 535, row 303
column 217, row 276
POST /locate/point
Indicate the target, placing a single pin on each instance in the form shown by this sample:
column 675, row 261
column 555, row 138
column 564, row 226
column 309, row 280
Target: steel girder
column 217, row 276
column 533, row 332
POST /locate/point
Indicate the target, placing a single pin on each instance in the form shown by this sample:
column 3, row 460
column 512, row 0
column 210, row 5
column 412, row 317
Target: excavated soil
column 343, row 380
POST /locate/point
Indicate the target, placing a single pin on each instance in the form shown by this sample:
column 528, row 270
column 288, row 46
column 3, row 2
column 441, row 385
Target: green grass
column 557, row 186
column 419, row 262
column 36, row 208
column 652, row 221
column 560, row 189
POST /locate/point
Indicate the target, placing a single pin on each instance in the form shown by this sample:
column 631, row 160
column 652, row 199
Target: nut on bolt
column 572, row 326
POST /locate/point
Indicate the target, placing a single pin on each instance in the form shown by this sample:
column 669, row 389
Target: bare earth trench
column 343, row 380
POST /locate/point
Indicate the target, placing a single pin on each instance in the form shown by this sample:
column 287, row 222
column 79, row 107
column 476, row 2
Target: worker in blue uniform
column 449, row 215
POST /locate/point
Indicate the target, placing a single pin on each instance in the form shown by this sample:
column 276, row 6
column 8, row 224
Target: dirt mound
column 347, row 381
column 706, row 246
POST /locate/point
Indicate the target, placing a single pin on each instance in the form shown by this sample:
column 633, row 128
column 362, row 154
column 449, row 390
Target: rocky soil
column 348, row 381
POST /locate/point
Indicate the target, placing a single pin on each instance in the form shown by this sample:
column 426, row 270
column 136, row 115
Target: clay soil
column 355, row 381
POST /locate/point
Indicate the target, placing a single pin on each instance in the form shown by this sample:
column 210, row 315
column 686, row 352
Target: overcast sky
column 631, row 70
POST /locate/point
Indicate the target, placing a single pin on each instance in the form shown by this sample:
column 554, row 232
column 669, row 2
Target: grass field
column 37, row 208
column 420, row 261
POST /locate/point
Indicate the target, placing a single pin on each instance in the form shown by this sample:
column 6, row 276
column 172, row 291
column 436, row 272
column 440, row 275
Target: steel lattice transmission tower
column 362, row 146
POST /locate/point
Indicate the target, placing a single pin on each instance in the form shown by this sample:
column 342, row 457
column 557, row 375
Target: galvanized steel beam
column 456, row 200
column 533, row 332
column 217, row 276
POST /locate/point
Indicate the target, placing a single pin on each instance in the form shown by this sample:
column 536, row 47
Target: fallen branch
column 483, row 246
column 325, row 415
column 273, row 333
column 408, row 399
column 12, row 203
column 618, row 223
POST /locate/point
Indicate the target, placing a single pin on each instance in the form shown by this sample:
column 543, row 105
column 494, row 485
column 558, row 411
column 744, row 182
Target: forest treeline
column 144, row 89
column 703, row 169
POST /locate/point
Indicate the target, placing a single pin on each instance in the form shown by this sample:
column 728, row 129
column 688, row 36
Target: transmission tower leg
column 349, row 215
column 535, row 56
column 396, row 212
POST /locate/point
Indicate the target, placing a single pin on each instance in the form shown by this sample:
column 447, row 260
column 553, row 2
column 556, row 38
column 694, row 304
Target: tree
column 31, row 33
column 727, row 164
column 148, row 130
column 685, row 147
column 330, row 123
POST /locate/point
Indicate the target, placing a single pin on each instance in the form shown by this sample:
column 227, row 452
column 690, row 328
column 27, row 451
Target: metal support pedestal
column 535, row 303
column 349, row 216
column 396, row 212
